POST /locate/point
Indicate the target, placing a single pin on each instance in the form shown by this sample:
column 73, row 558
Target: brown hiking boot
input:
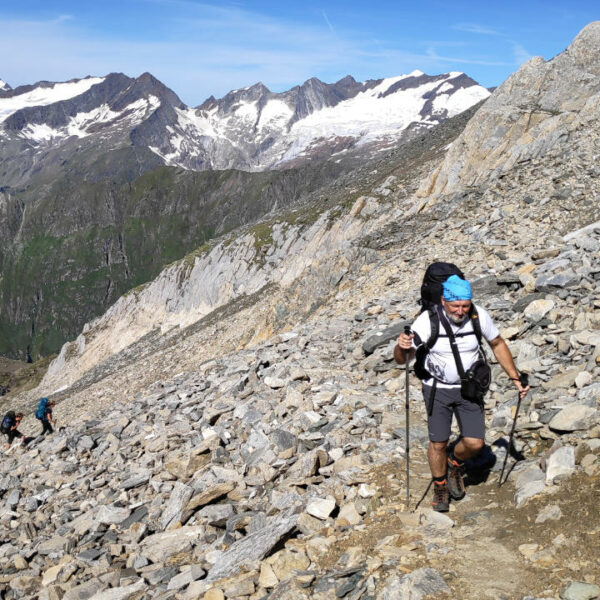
column 441, row 496
column 456, row 485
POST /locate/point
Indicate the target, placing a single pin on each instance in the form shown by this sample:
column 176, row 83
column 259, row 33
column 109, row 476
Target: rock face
column 260, row 451
column 536, row 110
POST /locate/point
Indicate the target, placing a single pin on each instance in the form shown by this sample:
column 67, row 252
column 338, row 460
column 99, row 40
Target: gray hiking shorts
column 448, row 401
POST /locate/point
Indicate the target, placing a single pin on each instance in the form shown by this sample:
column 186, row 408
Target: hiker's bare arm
column 403, row 344
column 504, row 357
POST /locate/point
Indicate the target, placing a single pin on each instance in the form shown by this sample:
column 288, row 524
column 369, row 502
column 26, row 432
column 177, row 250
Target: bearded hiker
column 446, row 341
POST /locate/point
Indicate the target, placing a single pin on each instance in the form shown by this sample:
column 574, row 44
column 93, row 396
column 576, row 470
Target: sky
column 203, row 48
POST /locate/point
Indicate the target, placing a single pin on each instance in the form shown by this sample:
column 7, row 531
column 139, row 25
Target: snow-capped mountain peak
column 44, row 93
column 4, row 87
column 251, row 128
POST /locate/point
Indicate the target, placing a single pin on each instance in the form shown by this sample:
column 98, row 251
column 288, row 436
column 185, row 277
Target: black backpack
column 9, row 420
column 431, row 288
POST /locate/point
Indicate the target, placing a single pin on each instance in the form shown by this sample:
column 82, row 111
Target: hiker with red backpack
column 446, row 341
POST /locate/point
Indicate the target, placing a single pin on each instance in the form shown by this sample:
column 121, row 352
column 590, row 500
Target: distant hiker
column 44, row 414
column 9, row 425
column 446, row 341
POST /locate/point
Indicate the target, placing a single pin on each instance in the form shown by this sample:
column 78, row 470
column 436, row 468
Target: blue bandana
column 455, row 288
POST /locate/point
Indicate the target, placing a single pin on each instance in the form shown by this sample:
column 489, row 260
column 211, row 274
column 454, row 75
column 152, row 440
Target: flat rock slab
column 160, row 546
column 574, row 418
column 381, row 338
column 207, row 496
column 253, row 547
column 112, row 515
column 120, row 593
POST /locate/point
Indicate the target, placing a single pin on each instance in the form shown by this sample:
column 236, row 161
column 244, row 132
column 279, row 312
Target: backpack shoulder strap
column 434, row 322
column 453, row 344
column 474, row 316
column 434, row 326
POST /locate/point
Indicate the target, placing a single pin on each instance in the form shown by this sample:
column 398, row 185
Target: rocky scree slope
column 293, row 446
column 277, row 471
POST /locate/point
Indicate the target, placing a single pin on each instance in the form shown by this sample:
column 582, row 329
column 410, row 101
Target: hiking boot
column 441, row 496
column 456, row 485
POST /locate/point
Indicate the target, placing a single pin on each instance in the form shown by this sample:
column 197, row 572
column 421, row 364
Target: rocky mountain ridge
column 251, row 129
column 259, row 451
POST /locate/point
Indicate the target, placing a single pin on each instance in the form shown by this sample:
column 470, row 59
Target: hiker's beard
column 456, row 319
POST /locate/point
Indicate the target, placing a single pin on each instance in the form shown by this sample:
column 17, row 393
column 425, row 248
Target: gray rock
column 414, row 586
column 178, row 500
column 55, row 546
column 321, row 508
column 577, row 590
column 574, row 418
column 112, row 514
column 533, row 488
column 564, row 279
column 283, row 440
column 560, row 462
column 84, row 591
column 252, row 548
column 551, row 512
column 120, row 593
column 135, row 480
column 186, row 577
column 160, row 546
column 381, row 338
column 538, row 309
column 13, row 499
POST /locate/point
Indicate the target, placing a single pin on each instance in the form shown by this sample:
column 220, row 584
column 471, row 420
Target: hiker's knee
column 473, row 445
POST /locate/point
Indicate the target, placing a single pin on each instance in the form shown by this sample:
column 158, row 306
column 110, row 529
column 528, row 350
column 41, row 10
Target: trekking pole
column 406, row 406
column 524, row 379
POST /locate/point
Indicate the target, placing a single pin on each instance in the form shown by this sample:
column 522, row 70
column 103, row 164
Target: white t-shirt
column 440, row 360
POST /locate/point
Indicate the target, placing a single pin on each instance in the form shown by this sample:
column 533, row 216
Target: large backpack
column 9, row 420
column 431, row 288
column 431, row 295
column 42, row 408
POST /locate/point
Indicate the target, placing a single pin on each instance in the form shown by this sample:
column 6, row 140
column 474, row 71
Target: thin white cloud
column 521, row 55
column 466, row 61
column 475, row 28
column 328, row 23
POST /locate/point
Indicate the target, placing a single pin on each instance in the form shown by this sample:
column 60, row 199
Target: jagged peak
column 584, row 51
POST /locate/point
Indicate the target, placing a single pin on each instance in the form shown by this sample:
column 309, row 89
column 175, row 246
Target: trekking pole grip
column 524, row 379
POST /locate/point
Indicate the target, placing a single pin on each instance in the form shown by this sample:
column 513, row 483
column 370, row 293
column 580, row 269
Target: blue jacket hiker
column 44, row 414
column 9, row 426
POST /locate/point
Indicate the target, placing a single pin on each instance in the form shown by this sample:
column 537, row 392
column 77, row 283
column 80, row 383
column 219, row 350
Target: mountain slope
column 80, row 245
column 88, row 209
column 260, row 450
